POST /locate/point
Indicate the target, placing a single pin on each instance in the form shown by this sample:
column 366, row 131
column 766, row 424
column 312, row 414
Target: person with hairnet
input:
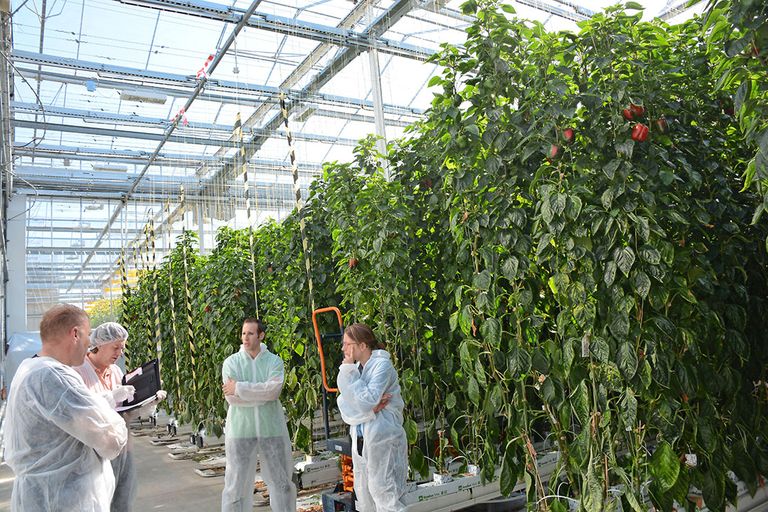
column 255, row 428
column 371, row 403
column 102, row 376
column 60, row 436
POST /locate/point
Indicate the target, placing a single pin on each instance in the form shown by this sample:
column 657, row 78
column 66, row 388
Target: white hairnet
column 108, row 332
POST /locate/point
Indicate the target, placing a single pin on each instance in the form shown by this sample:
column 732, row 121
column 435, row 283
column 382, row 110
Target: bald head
column 65, row 331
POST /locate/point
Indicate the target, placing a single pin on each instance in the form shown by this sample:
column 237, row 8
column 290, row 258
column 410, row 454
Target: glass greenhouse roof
column 102, row 140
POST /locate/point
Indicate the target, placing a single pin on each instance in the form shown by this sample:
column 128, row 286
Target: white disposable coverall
column 122, row 465
column 59, row 439
column 256, row 429
column 381, row 471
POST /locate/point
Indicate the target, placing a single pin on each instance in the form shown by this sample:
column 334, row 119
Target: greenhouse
column 393, row 255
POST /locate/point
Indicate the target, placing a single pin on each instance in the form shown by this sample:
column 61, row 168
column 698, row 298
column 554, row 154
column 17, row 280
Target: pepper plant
column 564, row 254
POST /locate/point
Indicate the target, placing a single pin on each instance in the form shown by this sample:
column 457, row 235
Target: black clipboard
column 146, row 380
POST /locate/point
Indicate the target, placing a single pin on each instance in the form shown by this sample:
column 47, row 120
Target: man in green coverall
column 253, row 379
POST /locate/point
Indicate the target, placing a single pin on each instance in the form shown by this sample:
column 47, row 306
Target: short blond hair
column 58, row 320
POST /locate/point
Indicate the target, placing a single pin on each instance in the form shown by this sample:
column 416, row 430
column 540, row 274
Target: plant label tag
column 585, row 345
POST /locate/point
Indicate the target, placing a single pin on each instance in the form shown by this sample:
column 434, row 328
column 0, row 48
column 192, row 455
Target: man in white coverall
column 367, row 380
column 256, row 428
column 59, row 436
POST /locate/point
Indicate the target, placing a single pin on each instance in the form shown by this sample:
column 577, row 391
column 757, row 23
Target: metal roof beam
column 340, row 60
column 111, row 155
column 36, row 174
column 86, row 285
column 65, row 249
column 141, row 157
column 338, row 36
column 66, row 192
column 556, row 11
column 206, row 138
column 34, row 228
column 156, row 81
column 156, row 122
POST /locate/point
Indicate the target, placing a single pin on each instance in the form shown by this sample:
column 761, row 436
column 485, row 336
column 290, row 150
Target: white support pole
column 16, row 244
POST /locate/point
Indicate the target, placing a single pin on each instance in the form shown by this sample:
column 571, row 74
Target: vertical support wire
column 238, row 136
column 188, row 301
column 299, row 203
column 150, row 327
column 174, row 331
column 125, row 292
column 155, row 300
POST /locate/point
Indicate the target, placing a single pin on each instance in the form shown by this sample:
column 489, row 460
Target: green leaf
column 568, row 356
column 599, row 348
column 610, row 169
column 491, row 331
column 579, row 401
column 664, row 466
column 633, row 5
column 450, row 401
column 388, row 258
column 627, row 360
column 464, row 355
column 482, row 281
column 548, row 391
column 609, row 275
column 411, row 431
column 625, row 259
column 453, row 321
column 435, row 80
column 473, row 390
column 607, row 198
column 511, row 468
column 519, row 362
column 574, row 207
column 480, row 373
column 713, row 489
column 558, row 202
column 465, row 320
column 417, row 461
column 642, row 284
column 593, row 497
column 629, row 409
column 544, row 242
column 619, row 325
column 650, row 254
column 509, row 268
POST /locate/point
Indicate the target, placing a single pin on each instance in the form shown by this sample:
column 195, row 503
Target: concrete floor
column 164, row 484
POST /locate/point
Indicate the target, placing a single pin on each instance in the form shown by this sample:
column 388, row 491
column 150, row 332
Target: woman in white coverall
column 103, row 377
column 255, row 428
column 379, row 445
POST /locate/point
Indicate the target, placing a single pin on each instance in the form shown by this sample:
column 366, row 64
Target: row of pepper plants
column 564, row 252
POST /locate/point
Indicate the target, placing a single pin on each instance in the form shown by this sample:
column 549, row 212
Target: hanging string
column 174, row 336
column 238, row 136
column 155, row 301
column 299, row 202
column 125, row 292
column 146, row 270
column 188, row 299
